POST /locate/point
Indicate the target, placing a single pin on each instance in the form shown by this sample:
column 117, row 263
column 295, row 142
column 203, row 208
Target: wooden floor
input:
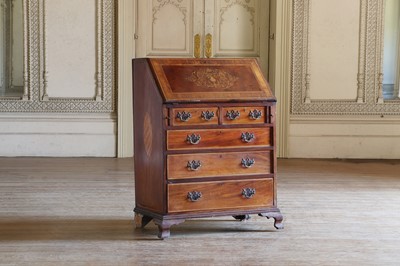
column 79, row 212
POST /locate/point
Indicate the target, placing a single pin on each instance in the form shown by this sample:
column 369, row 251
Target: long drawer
column 218, row 138
column 202, row 196
column 182, row 166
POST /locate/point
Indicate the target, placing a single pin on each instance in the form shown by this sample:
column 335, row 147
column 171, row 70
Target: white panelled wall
column 68, row 104
column 337, row 105
column 325, row 65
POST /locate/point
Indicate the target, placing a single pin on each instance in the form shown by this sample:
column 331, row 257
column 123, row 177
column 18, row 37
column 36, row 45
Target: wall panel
column 71, row 70
column 333, row 45
column 369, row 98
column 68, row 107
column 337, row 105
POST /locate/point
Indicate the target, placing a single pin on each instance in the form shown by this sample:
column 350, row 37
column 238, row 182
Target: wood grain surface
column 244, row 117
column 62, row 211
column 218, row 164
column 218, row 138
column 220, row 195
column 196, row 118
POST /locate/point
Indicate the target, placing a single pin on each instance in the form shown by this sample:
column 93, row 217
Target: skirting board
column 58, row 136
column 344, row 139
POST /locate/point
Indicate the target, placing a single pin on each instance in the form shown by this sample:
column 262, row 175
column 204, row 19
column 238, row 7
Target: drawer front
column 218, row 138
column 184, row 166
column 243, row 115
column 244, row 194
column 194, row 116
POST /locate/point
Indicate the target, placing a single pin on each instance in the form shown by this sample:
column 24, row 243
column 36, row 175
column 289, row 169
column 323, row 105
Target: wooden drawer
column 184, row 166
column 220, row 195
column 194, row 116
column 243, row 115
column 218, row 138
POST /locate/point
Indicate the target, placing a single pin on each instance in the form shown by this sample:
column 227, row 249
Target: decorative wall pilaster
column 369, row 100
column 36, row 96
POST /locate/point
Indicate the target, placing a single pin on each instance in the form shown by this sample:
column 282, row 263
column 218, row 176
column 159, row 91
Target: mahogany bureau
column 204, row 138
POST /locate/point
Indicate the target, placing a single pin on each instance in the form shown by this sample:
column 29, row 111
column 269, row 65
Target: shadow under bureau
column 204, row 140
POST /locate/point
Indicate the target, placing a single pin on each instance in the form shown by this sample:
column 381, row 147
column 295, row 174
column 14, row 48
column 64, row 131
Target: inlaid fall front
column 210, row 80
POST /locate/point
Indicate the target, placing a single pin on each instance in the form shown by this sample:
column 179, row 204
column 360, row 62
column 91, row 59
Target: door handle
column 208, row 45
column 197, row 46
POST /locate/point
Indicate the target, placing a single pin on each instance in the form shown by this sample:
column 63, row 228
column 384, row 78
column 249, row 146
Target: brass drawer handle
column 193, row 165
column 207, row 115
column 256, row 114
column 193, row 139
column 248, row 193
column 232, row 115
column 247, row 162
column 248, row 137
column 184, row 117
column 194, row 196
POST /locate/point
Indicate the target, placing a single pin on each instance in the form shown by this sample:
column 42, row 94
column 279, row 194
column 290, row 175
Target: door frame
column 280, row 66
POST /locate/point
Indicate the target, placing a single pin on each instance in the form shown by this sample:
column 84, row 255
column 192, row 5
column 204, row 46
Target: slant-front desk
column 204, row 138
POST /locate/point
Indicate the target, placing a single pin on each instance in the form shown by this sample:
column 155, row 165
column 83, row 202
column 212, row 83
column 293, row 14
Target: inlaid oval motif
column 213, row 78
column 147, row 134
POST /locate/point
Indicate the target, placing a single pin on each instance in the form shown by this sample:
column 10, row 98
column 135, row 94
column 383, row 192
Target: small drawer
column 245, row 194
column 218, row 138
column 183, row 166
column 243, row 115
column 194, row 116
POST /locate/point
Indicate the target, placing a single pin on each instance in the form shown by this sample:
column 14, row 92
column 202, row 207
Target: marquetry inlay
column 213, row 78
column 147, row 134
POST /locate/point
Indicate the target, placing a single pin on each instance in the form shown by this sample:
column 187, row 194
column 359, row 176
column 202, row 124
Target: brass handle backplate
column 248, row 137
column 232, row 115
column 207, row 115
column 193, row 139
column 256, row 114
column 183, row 117
column 248, row 162
column 248, row 193
column 193, row 165
column 194, row 196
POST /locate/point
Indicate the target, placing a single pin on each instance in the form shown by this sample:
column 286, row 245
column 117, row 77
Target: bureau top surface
column 210, row 80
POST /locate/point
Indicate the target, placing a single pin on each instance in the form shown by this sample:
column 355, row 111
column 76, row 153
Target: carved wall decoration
column 369, row 99
column 170, row 25
column 237, row 27
column 36, row 98
column 244, row 4
column 175, row 3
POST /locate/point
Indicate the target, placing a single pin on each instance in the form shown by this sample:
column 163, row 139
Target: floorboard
column 59, row 211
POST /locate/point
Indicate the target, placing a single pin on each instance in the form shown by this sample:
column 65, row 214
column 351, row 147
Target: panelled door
column 203, row 28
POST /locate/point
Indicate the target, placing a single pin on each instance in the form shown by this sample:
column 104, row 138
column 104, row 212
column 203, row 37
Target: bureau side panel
column 149, row 139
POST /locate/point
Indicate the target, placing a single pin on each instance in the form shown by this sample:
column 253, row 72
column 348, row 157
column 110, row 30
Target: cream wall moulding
column 368, row 99
column 38, row 91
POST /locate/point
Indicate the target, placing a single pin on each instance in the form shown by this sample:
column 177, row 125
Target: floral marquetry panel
column 210, row 80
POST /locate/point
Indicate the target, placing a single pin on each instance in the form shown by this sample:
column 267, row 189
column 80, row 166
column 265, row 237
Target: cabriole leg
column 277, row 217
column 164, row 227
